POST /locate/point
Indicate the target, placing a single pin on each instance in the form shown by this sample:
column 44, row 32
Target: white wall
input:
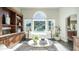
column 50, row 12
column 64, row 13
column 78, row 22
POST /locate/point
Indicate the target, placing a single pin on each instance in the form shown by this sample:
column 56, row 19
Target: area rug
column 26, row 47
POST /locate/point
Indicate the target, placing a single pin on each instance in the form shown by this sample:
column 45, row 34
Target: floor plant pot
column 35, row 42
column 57, row 38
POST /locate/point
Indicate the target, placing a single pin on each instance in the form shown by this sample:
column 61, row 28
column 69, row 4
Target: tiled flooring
column 56, row 46
column 60, row 47
column 26, row 47
column 68, row 45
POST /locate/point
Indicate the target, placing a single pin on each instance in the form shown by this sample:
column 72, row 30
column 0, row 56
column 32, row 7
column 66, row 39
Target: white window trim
column 46, row 24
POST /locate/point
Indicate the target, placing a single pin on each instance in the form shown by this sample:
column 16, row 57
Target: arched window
column 39, row 21
column 39, row 15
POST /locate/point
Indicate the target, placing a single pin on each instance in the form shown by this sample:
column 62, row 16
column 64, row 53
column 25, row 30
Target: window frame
column 46, row 25
column 38, row 20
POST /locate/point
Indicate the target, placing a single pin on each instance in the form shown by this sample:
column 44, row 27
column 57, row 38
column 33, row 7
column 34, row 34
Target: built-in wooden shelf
column 10, row 40
column 15, row 19
column 18, row 18
column 20, row 26
column 10, row 30
column 5, row 28
column 6, row 25
column 14, row 11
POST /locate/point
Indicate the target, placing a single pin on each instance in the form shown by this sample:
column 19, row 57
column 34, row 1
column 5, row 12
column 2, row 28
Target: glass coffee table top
column 40, row 43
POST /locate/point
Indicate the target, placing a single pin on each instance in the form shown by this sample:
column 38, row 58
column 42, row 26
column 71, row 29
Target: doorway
column 71, row 30
column 71, row 27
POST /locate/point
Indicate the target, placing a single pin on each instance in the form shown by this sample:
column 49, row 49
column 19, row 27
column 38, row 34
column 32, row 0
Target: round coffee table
column 40, row 43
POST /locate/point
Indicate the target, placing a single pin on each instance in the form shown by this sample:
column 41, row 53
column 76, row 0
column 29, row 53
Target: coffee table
column 40, row 43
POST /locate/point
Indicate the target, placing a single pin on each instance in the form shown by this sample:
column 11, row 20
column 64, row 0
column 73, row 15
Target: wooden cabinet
column 11, row 40
column 71, row 34
column 10, row 21
column 10, row 15
column 75, row 43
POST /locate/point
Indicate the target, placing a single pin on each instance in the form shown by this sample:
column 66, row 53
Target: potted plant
column 35, row 39
column 57, row 33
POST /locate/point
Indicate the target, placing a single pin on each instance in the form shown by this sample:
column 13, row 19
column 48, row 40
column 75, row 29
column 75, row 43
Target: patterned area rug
column 26, row 47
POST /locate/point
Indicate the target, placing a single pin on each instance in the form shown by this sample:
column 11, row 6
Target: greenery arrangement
column 35, row 38
column 57, row 31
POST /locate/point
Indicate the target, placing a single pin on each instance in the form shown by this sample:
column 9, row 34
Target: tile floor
column 56, row 46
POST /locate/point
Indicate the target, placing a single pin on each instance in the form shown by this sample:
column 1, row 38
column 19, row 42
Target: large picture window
column 39, row 25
